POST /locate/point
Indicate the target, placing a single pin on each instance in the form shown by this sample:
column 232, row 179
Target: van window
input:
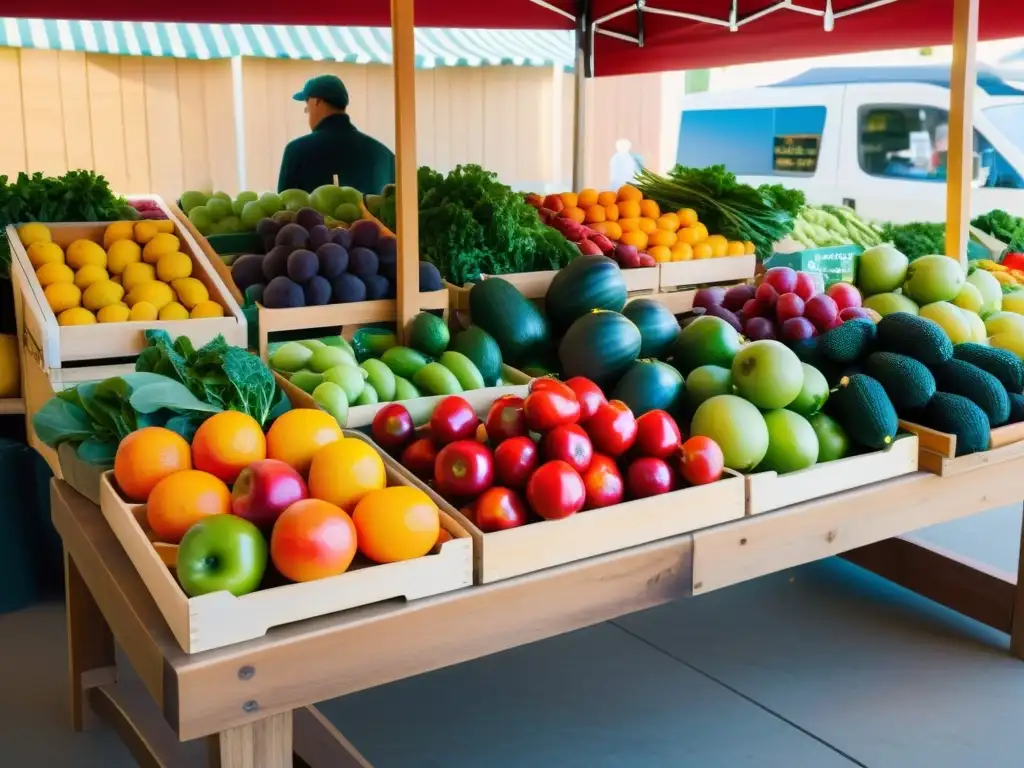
column 911, row 143
column 760, row 141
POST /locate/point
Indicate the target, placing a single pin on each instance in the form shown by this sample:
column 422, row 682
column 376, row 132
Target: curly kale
column 1003, row 226
column 918, row 239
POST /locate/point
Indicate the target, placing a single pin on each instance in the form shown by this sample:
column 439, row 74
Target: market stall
column 256, row 511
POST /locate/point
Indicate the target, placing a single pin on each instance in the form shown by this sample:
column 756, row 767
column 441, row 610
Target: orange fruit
column 629, row 225
column 650, row 209
column 668, row 221
column 228, row 442
column 749, row 248
column 146, row 457
column 576, row 214
column 586, row 198
column 701, row 230
column 629, row 192
column 570, row 199
column 298, row 434
column 312, row 539
column 397, row 523
column 443, row 537
column 661, row 237
column 595, row 214
column 609, row 229
column 181, row 500
column 687, row 217
column 719, row 245
column 660, row 253
column 735, row 248
column 344, row 471
column 607, row 198
column 636, row 238
column 629, row 209
column 682, row 252
column 611, row 212
column 702, row 251
column 647, row 226
column 687, row 235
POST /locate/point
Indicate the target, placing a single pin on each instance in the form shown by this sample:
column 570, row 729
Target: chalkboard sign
column 796, row 154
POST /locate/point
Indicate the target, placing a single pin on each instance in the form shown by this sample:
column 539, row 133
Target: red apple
column 709, row 297
column 603, row 482
column 758, row 328
column 737, row 296
column 514, row 461
column 505, row 419
column 782, row 279
column 844, row 295
column 805, row 287
column 648, row 476
column 264, row 490
column 392, row 427
column 766, row 293
column 854, row 313
column 798, row 329
column 568, row 443
column 464, row 469
column 789, row 305
column 499, row 509
column 453, row 419
column 419, row 457
column 822, row 311
column 755, row 308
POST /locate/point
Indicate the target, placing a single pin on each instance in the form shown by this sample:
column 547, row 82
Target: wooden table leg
column 266, row 743
column 91, row 660
column 1017, row 633
column 318, row 744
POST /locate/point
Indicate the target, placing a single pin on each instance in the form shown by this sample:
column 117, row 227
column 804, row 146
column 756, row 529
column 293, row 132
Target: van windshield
column 1009, row 119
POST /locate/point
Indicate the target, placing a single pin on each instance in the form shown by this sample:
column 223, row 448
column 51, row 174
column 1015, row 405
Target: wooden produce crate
column 937, row 453
column 678, row 275
column 219, row 618
column 56, row 346
column 767, row 491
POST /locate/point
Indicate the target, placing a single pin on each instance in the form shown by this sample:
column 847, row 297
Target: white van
column 874, row 138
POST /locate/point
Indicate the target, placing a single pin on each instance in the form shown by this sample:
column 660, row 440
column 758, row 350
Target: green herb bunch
column 1003, row 226
column 920, row 238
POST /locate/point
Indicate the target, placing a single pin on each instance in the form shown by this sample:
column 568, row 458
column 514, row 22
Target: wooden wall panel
column 106, row 116
column 163, row 115
column 12, row 133
column 43, row 113
column 133, row 115
column 74, row 94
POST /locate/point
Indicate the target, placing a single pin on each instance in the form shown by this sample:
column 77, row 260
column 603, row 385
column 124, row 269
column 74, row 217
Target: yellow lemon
column 76, row 316
column 116, row 279
column 61, row 296
column 41, row 252
column 160, row 245
column 82, row 252
column 156, row 293
column 114, row 313
column 173, row 311
column 90, row 274
column 172, row 266
column 145, row 231
column 190, row 291
column 207, row 309
column 34, row 233
column 142, row 311
column 166, row 226
column 102, row 294
column 136, row 274
column 48, row 274
column 121, row 254
column 119, row 230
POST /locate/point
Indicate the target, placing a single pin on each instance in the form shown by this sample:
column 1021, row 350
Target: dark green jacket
column 336, row 147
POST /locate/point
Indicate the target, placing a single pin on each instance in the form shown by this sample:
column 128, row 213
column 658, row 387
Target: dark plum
column 317, row 291
column 293, row 236
column 342, row 237
column 376, row 287
column 275, row 263
column 430, row 278
column 333, row 260
column 309, row 218
column 725, row 314
column 318, row 235
column 302, row 265
column 387, row 247
column 737, row 296
column 362, row 262
column 347, row 288
column 282, row 293
column 365, row 233
column 758, row 328
column 268, row 227
column 247, row 270
column 709, row 297
column 798, row 329
column 388, row 267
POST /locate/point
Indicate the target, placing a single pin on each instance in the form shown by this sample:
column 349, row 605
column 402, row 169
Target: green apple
column 222, row 553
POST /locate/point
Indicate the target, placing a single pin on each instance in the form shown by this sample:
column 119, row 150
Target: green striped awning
column 356, row 45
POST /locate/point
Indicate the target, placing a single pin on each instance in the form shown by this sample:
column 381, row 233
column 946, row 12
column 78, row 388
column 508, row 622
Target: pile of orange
column 626, row 217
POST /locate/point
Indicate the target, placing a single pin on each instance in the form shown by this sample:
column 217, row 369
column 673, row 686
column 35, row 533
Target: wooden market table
column 252, row 704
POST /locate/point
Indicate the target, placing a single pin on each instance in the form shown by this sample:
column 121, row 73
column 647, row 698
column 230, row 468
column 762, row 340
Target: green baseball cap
column 328, row 88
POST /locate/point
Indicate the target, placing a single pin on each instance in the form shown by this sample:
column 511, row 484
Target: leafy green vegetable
column 472, row 223
column 168, row 393
column 738, row 211
column 1003, row 226
column 916, row 239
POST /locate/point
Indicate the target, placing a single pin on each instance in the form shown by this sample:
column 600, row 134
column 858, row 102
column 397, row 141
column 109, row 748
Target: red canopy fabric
column 670, row 43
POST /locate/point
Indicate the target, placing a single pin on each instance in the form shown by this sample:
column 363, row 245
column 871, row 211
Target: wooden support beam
column 975, row 590
column 960, row 158
column 90, row 644
column 403, row 46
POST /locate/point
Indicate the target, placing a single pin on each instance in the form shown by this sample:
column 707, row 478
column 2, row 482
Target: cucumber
column 469, row 375
column 368, row 396
column 307, row 381
column 381, row 378
column 480, row 347
column 403, row 361
column 350, row 378
column 332, row 399
column 435, row 379
column 405, row 390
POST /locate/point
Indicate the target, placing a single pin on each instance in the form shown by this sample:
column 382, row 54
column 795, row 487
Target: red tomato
column 588, row 394
column 603, row 482
column 453, row 419
column 701, row 461
column 568, row 443
column 548, row 384
column 499, row 509
column 612, row 428
column 555, row 491
column 514, row 462
column 648, row 476
column 392, row 427
column 657, row 435
column 505, row 419
column 547, row 409
column 419, row 457
column 464, row 469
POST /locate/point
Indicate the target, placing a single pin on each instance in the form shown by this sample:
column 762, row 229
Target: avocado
column 914, row 336
column 983, row 389
column 864, row 410
column 849, row 342
column 1002, row 364
column 908, row 382
column 956, row 415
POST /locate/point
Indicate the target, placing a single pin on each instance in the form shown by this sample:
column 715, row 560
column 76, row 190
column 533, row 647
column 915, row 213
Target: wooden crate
column 219, row 618
column 688, row 274
column 767, row 491
column 937, row 453
column 56, row 346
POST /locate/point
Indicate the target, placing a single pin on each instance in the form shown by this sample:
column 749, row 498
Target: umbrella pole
column 584, row 62
column 406, row 203
column 960, row 157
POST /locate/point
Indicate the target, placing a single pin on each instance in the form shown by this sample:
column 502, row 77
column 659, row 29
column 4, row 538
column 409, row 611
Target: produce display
column 219, row 214
column 472, row 224
column 831, row 225
column 630, row 229
column 1008, row 272
column 310, row 264
column 916, row 239
column 137, row 274
column 1004, row 227
column 374, row 369
column 562, row 449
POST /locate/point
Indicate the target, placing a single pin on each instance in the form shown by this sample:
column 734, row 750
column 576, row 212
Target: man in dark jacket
column 335, row 147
